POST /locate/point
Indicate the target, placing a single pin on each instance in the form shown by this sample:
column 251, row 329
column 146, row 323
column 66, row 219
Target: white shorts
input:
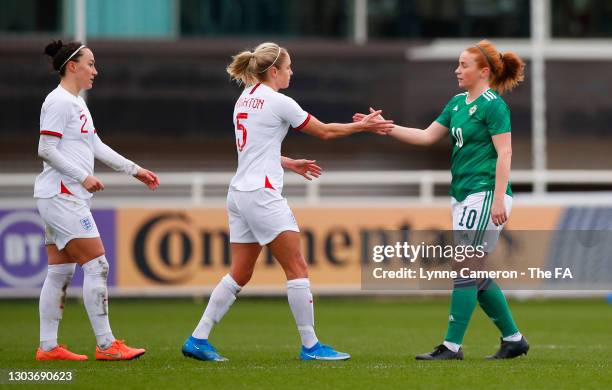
column 66, row 217
column 258, row 216
column 472, row 223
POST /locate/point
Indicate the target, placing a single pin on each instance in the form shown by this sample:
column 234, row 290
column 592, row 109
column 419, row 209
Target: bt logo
column 23, row 262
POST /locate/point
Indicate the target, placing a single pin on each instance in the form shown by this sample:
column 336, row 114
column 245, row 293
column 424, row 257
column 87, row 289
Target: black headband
column 489, row 61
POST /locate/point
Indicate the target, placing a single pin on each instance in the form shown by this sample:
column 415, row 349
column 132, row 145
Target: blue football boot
column 201, row 349
column 322, row 352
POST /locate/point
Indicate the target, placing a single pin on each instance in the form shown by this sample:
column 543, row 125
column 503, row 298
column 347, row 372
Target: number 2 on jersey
column 240, row 127
column 83, row 116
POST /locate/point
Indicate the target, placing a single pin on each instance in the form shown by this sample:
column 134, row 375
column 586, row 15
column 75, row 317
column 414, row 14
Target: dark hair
column 60, row 52
column 507, row 69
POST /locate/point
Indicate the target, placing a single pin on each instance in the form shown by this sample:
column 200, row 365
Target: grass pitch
column 571, row 345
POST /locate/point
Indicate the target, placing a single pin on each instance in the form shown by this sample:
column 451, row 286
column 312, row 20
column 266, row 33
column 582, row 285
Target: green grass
column 571, row 345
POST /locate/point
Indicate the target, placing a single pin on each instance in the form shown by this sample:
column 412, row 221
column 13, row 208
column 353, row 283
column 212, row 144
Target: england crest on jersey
column 473, row 110
column 86, row 223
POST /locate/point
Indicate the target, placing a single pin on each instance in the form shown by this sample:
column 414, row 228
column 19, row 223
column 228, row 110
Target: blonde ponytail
column 248, row 68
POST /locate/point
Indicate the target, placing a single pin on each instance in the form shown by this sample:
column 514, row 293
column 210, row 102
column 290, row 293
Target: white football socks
column 300, row 301
column 514, row 337
column 452, row 346
column 219, row 303
column 51, row 303
column 95, row 297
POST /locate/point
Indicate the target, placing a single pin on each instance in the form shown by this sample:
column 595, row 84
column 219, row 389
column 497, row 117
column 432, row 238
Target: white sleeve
column 53, row 118
column 290, row 111
column 47, row 150
column 112, row 159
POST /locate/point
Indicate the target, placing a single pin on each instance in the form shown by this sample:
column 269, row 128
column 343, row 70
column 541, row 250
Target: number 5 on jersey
column 240, row 144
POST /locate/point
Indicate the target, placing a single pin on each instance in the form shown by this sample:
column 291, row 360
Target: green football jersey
column 471, row 127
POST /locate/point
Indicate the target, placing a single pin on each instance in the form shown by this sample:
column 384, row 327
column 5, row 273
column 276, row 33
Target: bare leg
column 244, row 257
column 82, row 250
column 286, row 250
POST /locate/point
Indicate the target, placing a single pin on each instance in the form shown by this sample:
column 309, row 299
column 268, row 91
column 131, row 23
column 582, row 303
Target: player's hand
column 358, row 117
column 374, row 122
column 92, row 184
column 306, row 168
column 498, row 212
column 149, row 178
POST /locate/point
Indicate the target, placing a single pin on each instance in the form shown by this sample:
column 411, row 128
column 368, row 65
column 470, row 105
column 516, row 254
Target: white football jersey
column 262, row 117
column 66, row 116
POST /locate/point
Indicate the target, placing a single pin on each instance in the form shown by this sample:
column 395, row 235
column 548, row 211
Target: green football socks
column 463, row 302
column 493, row 302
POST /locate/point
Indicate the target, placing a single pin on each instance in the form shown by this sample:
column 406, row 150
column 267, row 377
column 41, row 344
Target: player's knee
column 97, row 266
column 242, row 280
column 297, row 268
column 242, row 277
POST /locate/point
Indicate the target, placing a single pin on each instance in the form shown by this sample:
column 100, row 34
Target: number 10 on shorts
column 471, row 218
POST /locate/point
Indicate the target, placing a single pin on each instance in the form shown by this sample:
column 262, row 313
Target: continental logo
column 187, row 247
column 171, row 248
column 166, row 248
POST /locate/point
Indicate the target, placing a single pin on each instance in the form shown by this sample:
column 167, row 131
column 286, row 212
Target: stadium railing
column 346, row 187
column 362, row 188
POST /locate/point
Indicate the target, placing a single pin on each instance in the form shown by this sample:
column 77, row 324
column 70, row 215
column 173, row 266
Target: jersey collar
column 477, row 97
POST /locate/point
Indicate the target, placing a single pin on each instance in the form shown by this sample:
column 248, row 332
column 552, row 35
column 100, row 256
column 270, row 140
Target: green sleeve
column 498, row 119
column 445, row 116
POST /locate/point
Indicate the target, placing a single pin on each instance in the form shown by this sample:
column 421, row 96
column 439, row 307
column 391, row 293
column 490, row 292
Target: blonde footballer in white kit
column 68, row 145
column 258, row 213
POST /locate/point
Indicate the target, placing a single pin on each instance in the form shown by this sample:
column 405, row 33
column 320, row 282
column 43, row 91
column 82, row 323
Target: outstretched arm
column 372, row 123
column 119, row 163
column 411, row 135
column 306, row 168
column 425, row 137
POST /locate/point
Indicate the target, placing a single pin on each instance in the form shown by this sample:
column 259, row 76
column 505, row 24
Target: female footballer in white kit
column 68, row 145
column 258, row 213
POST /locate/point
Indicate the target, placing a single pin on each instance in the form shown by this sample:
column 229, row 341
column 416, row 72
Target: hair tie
column 273, row 62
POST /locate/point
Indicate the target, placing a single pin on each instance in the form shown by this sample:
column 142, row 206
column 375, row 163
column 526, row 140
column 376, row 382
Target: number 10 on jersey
column 240, row 144
column 458, row 135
